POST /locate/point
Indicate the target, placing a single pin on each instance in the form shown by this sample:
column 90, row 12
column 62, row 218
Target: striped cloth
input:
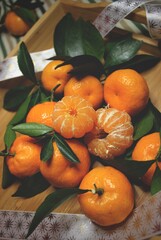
column 8, row 42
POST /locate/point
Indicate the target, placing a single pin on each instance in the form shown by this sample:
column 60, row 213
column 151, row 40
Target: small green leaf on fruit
column 47, row 149
column 9, row 136
column 65, row 149
column 143, row 124
column 26, row 14
column 32, row 129
column 156, row 181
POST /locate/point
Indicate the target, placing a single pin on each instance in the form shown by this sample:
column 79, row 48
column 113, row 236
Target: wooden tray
column 40, row 37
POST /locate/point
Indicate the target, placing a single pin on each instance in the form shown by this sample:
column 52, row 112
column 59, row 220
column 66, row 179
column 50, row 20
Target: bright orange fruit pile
column 89, row 129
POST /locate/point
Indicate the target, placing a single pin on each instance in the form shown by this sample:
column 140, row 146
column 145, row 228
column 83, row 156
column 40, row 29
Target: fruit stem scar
column 97, row 190
column 73, row 112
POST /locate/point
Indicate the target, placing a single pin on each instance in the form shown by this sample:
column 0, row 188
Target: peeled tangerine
column 112, row 135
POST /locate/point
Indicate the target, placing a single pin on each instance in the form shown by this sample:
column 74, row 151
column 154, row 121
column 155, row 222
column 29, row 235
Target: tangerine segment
column 116, row 201
column 52, row 76
column 112, row 134
column 41, row 113
column 60, row 172
column 73, row 116
column 126, row 90
column 88, row 87
column 26, row 157
column 146, row 149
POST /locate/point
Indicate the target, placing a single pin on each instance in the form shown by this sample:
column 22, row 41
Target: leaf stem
column 5, row 154
column 97, row 190
column 53, row 92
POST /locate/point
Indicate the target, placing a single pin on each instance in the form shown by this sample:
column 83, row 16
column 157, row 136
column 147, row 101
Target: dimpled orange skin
column 26, row 159
column 88, row 87
column 15, row 25
column 41, row 113
column 60, row 172
column 116, row 202
column 51, row 77
column 146, row 149
column 126, row 90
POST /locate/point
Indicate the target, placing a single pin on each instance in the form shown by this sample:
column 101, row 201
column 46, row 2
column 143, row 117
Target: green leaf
column 121, row 51
column 132, row 169
column 47, row 150
column 65, row 149
column 26, row 64
column 36, row 98
column 158, row 156
column 27, row 15
column 51, row 202
column 156, row 181
column 73, row 38
column 140, row 63
column 32, row 129
column 93, row 43
column 22, row 111
column 7, row 178
column 15, row 97
column 144, row 124
column 157, row 117
column 9, row 136
column 60, row 35
column 31, row 186
column 84, row 65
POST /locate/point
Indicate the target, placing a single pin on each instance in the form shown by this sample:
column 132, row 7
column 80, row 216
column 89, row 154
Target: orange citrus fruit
column 15, row 24
column 112, row 134
column 26, row 157
column 73, row 116
column 88, row 87
column 111, row 198
column 52, row 76
column 41, row 113
column 146, row 149
column 126, row 90
column 60, row 172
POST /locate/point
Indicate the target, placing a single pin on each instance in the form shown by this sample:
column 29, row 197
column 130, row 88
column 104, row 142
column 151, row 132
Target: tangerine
column 126, row 90
column 111, row 198
column 52, row 76
column 112, row 134
column 147, row 149
column 41, row 113
column 88, row 87
column 60, row 172
column 25, row 159
column 15, row 24
column 73, row 116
